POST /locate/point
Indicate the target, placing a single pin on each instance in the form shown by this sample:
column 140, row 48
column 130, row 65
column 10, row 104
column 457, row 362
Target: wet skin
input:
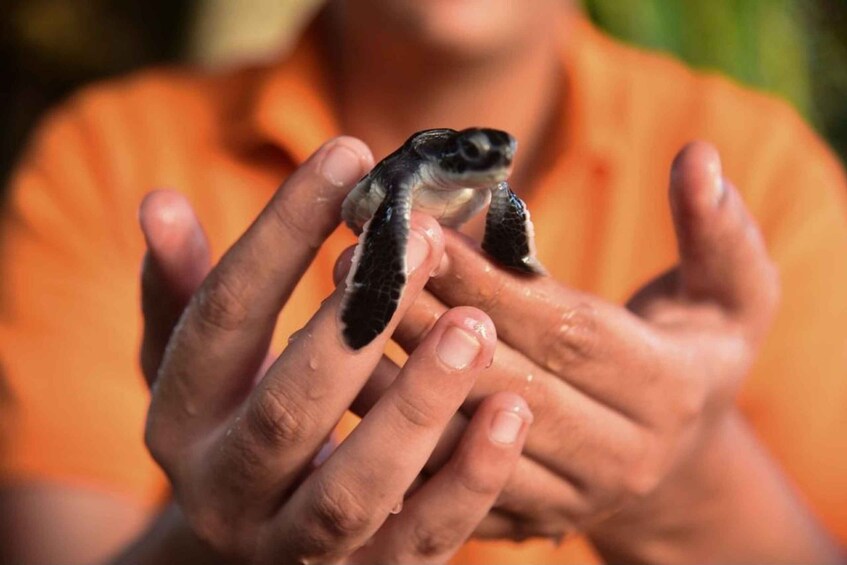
column 237, row 432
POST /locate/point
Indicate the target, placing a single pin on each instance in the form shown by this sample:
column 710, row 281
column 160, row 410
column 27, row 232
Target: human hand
column 239, row 452
column 622, row 396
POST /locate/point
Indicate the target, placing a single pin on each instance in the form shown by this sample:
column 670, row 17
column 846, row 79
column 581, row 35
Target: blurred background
column 794, row 48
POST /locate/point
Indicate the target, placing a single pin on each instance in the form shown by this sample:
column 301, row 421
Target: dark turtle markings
column 379, row 275
column 433, row 171
column 508, row 232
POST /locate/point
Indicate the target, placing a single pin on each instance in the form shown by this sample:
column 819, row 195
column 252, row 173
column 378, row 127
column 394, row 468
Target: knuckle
column 643, row 475
column 338, row 513
column 277, row 419
column 477, row 479
column 163, row 439
column 154, row 441
column 689, row 402
column 414, row 410
column 433, row 540
column 207, row 525
column 572, row 339
column 214, row 528
column 293, row 224
column 640, row 482
column 239, row 465
column 219, row 302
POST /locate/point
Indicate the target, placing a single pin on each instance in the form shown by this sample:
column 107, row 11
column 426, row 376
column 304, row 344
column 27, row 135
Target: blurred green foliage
column 794, row 48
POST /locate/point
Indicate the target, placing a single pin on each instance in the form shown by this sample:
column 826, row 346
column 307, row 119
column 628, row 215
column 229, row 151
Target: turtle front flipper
column 509, row 235
column 378, row 274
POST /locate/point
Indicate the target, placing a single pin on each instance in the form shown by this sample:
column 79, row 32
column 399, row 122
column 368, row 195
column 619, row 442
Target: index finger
column 224, row 334
column 278, row 430
column 347, row 499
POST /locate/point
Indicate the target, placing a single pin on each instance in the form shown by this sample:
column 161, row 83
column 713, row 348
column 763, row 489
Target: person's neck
column 388, row 91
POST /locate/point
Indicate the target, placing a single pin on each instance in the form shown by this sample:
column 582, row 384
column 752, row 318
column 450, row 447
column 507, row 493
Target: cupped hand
column 623, row 395
column 237, row 433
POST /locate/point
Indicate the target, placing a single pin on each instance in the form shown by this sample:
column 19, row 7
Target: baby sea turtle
column 450, row 175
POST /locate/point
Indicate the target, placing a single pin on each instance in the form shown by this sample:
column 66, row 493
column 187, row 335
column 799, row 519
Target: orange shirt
column 73, row 400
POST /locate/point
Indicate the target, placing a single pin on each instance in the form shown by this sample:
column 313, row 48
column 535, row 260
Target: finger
column 722, row 253
column 229, row 322
column 341, row 506
column 566, row 332
column 381, row 378
column 543, row 328
column 545, row 487
column 442, row 514
column 175, row 264
column 278, row 430
column 651, row 301
column 501, row 525
column 583, row 387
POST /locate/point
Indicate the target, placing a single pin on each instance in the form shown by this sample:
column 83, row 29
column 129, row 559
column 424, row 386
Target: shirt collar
column 293, row 108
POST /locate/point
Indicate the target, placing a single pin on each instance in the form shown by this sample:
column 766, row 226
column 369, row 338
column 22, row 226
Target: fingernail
column 457, row 348
column 417, row 251
column 507, row 424
column 341, row 166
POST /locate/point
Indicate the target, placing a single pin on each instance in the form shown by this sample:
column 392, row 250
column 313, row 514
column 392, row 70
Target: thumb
column 721, row 250
column 176, row 262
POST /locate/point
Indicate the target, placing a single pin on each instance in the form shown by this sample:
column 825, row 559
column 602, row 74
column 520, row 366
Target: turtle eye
column 470, row 151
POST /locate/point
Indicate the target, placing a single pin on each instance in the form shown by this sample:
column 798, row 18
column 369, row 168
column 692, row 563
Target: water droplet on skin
column 294, row 337
column 234, row 426
column 487, row 268
column 313, row 363
column 398, row 507
column 529, row 378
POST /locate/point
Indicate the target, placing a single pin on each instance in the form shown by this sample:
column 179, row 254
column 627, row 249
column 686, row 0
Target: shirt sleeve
column 796, row 397
column 72, row 398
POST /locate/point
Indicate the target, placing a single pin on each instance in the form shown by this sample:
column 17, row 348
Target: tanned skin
column 448, row 55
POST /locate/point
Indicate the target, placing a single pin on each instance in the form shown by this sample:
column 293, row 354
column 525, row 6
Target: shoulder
column 110, row 143
column 147, row 112
column 658, row 104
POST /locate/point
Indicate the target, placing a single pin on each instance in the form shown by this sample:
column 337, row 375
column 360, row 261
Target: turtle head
column 474, row 157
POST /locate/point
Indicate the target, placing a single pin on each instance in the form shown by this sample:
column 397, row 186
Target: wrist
column 711, row 508
column 169, row 539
